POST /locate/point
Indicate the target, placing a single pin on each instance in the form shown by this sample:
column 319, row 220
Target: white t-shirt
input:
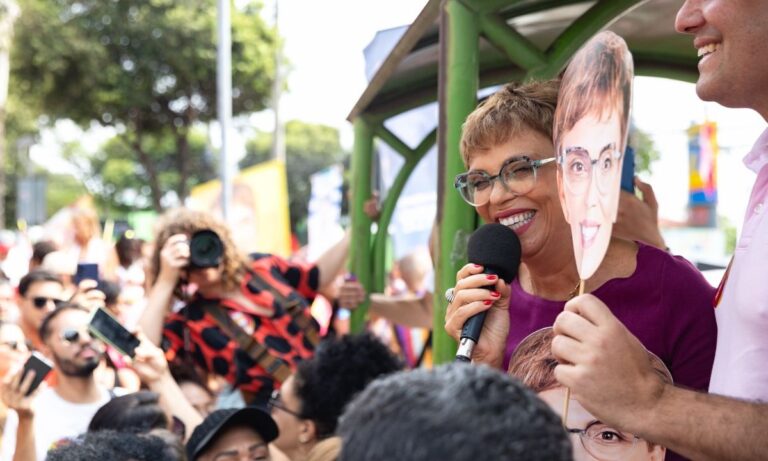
column 55, row 419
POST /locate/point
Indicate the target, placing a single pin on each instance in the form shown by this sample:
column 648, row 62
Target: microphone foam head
column 497, row 248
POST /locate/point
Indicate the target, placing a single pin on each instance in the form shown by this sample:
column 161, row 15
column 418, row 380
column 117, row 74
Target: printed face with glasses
column 589, row 175
column 595, row 441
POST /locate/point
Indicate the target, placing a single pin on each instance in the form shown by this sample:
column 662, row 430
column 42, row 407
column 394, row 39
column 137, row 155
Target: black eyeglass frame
column 275, row 402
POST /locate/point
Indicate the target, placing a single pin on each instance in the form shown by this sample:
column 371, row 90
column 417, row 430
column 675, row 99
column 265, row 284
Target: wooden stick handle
column 567, row 399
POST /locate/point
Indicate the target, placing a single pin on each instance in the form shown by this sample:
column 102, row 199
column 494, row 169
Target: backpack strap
column 276, row 367
column 293, row 307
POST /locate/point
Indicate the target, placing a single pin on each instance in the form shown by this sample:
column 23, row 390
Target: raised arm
column 638, row 219
column 174, row 256
column 152, row 368
column 330, row 263
column 14, row 395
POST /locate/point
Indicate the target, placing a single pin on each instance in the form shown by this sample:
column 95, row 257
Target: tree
column 645, row 150
column 308, row 149
column 120, row 184
column 9, row 11
column 147, row 68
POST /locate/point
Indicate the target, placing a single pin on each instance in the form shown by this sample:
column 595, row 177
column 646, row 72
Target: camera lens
column 205, row 249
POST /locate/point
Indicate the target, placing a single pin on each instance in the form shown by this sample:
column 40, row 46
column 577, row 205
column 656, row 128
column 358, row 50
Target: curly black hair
column 457, row 412
column 114, row 446
column 340, row 369
column 138, row 412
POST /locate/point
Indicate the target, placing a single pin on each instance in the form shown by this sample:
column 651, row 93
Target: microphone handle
column 470, row 333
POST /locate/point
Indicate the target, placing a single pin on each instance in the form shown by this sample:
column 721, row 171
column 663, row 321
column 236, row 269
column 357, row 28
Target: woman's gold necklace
column 575, row 290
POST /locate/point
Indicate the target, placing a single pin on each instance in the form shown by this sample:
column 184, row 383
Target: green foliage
column 645, row 150
column 120, row 184
column 147, row 67
column 309, row 148
column 62, row 190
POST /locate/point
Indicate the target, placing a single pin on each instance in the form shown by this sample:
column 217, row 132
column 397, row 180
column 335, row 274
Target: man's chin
column 80, row 370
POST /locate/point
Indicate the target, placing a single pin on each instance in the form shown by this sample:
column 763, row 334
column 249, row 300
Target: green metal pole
column 385, row 218
column 518, row 49
column 599, row 16
column 412, row 159
column 457, row 92
column 360, row 245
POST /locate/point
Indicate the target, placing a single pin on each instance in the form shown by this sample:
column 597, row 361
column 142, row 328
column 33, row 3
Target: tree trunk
column 182, row 160
column 152, row 175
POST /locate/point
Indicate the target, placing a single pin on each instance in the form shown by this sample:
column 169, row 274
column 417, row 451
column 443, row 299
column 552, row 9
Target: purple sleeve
column 692, row 330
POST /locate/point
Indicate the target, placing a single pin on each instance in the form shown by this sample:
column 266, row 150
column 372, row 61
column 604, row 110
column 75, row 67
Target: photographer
column 244, row 319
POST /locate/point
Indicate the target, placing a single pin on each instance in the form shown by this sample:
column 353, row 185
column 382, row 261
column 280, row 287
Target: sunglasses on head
column 41, row 301
column 73, row 335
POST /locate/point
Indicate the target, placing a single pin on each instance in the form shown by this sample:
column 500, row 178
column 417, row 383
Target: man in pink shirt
column 607, row 368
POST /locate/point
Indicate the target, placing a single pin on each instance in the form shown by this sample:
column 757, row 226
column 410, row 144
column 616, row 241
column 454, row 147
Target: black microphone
column 496, row 248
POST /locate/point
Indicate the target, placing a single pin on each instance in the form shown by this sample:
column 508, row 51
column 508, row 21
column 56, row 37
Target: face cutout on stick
column 590, row 135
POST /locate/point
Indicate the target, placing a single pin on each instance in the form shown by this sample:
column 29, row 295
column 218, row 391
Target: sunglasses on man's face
column 41, row 301
column 73, row 335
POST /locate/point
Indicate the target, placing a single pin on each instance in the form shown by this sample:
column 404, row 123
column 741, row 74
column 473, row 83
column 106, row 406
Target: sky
column 324, row 42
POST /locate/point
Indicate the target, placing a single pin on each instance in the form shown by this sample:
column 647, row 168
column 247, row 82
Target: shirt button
column 758, row 208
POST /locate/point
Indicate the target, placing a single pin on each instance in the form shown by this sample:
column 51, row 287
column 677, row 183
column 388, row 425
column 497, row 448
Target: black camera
column 205, row 249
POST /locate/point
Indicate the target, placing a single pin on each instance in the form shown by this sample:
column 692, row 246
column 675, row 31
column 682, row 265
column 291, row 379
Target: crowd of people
column 230, row 364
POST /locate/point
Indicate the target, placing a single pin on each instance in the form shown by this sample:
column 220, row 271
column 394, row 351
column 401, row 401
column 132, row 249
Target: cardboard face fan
column 590, row 136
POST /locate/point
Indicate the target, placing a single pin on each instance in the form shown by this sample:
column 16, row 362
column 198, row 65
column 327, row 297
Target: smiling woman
column 506, row 145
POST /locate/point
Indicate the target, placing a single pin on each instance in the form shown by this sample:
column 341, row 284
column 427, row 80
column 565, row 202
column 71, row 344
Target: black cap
column 213, row 425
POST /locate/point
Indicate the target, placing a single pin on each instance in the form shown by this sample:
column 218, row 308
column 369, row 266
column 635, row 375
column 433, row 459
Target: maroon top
column 666, row 303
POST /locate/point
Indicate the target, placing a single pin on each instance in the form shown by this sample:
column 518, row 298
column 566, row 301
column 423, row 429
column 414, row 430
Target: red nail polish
column 491, row 277
column 495, row 294
column 487, row 302
column 476, row 266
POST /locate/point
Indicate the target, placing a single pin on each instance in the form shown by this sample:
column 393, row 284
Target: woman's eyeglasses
column 516, row 175
column 275, row 402
column 605, row 443
column 41, row 301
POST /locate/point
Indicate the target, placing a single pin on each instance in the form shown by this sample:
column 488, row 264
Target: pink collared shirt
column 741, row 358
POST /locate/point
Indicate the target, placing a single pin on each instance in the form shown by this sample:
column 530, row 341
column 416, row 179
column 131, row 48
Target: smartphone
column 41, row 367
column 628, row 170
column 86, row 271
column 107, row 328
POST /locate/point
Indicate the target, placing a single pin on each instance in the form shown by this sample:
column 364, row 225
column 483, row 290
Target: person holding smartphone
column 229, row 299
column 49, row 415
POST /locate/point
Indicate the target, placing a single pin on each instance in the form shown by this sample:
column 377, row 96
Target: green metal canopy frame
column 453, row 49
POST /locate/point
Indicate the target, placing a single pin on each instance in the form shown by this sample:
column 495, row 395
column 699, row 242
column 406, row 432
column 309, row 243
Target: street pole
column 278, row 137
column 224, row 96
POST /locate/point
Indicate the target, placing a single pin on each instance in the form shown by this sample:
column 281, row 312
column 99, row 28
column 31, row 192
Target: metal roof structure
column 545, row 28
column 455, row 48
